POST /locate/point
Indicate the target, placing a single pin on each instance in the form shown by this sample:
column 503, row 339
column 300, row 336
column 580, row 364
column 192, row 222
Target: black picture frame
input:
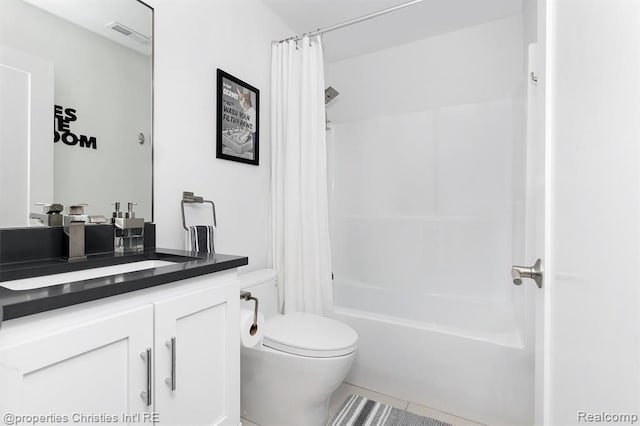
column 238, row 127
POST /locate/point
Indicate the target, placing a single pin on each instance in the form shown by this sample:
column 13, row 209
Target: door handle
column 534, row 272
column 171, row 381
column 146, row 395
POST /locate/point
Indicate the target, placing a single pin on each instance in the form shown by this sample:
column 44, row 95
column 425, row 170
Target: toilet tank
column 263, row 285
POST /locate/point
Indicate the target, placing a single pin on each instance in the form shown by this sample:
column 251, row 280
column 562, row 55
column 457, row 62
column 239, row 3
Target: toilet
column 289, row 379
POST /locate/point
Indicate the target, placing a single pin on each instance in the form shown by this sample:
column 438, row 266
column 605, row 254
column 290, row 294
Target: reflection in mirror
column 75, row 107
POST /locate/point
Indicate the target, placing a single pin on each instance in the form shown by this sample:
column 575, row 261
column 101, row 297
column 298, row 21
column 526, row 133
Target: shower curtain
column 300, row 214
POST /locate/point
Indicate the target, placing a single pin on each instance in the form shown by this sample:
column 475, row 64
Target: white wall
column 192, row 39
column 109, row 86
column 427, row 157
column 14, row 157
column 26, row 151
column 593, row 104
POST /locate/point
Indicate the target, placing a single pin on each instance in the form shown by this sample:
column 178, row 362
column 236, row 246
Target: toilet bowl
column 289, row 379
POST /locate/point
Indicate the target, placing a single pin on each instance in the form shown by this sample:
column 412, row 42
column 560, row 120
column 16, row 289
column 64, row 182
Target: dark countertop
column 15, row 304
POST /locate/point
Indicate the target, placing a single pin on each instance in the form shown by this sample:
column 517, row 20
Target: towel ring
column 189, row 198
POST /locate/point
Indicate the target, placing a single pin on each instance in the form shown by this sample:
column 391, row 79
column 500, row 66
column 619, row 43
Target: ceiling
column 422, row 20
column 94, row 16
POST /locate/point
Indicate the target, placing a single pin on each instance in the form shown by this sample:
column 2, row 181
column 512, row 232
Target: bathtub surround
column 299, row 206
column 427, row 217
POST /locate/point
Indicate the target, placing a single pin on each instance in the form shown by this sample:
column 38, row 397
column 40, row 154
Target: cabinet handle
column 146, row 395
column 171, row 381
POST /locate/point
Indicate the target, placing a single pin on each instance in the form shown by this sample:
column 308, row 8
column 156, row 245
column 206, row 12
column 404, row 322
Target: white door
column 197, row 345
column 592, row 308
column 93, row 368
column 536, row 224
column 26, row 135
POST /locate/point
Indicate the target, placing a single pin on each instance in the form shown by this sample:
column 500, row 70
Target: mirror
column 75, row 107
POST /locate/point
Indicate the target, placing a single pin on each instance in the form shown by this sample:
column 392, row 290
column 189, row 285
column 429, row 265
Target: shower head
column 330, row 94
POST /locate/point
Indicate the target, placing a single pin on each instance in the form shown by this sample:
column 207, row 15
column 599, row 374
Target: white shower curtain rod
column 352, row 21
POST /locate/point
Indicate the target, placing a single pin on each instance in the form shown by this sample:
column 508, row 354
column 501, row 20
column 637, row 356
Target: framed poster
column 238, row 120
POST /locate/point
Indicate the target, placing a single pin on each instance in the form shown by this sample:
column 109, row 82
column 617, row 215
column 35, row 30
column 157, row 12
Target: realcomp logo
column 604, row 417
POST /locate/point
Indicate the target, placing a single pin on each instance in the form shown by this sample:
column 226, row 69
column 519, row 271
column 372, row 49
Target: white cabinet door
column 204, row 325
column 92, row 368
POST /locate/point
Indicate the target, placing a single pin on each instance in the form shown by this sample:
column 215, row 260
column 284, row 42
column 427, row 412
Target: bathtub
column 464, row 357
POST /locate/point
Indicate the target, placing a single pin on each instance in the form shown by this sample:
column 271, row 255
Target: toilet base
column 281, row 389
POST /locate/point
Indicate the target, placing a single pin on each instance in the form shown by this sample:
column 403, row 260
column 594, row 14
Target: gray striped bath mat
column 360, row 411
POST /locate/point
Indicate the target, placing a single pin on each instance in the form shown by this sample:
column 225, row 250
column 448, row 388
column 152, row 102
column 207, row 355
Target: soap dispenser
column 116, row 212
column 118, row 244
column 128, row 232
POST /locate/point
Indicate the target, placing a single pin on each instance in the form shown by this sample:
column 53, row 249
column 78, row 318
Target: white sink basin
column 85, row 274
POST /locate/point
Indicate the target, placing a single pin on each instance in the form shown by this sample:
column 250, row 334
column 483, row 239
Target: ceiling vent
column 128, row 32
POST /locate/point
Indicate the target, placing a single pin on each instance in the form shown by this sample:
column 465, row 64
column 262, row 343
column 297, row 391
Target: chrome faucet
column 74, row 229
column 75, row 232
column 51, row 214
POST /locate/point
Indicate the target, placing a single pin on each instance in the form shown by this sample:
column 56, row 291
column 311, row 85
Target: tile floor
column 347, row 389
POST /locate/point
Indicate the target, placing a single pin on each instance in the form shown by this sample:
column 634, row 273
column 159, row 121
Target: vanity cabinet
column 197, row 351
column 89, row 367
column 91, row 359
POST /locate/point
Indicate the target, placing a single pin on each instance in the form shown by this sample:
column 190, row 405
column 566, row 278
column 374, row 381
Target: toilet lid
column 309, row 335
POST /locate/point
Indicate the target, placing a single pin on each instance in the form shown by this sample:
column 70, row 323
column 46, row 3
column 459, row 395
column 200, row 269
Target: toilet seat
column 309, row 335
